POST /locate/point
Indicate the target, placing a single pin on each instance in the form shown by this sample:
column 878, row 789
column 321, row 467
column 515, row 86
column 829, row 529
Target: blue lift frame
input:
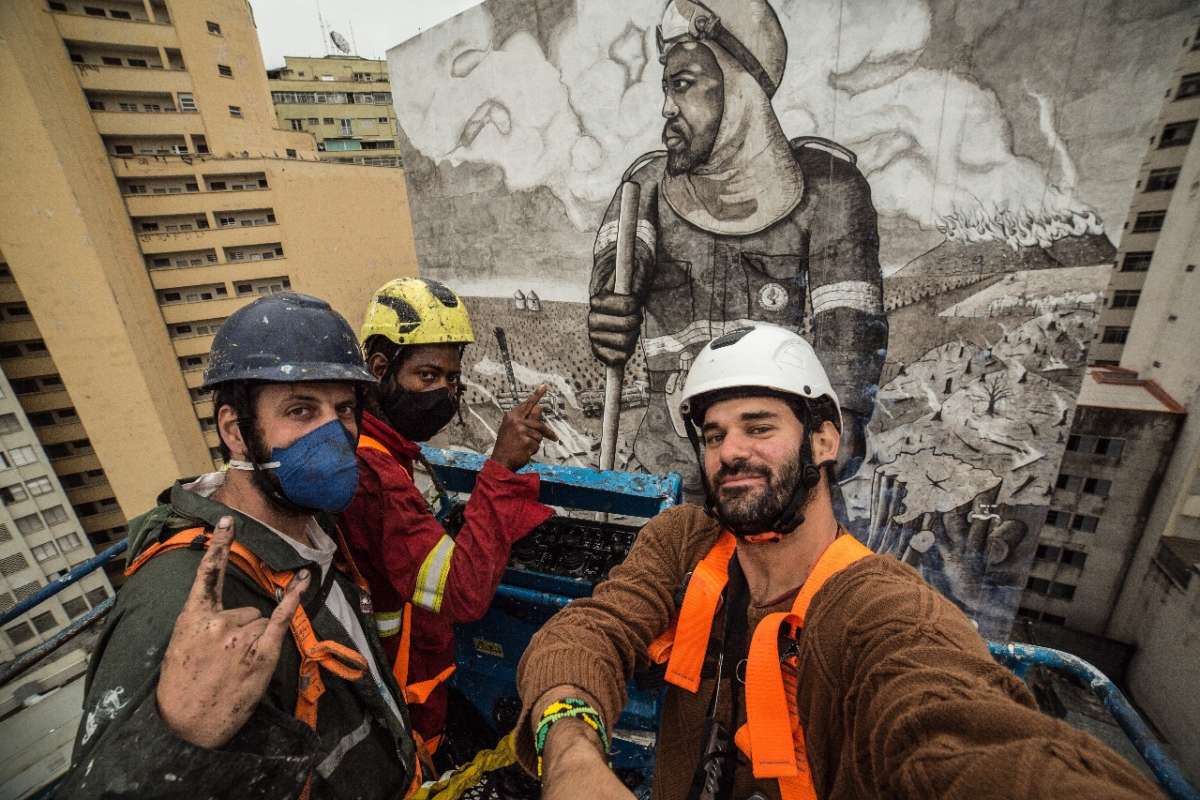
column 540, row 596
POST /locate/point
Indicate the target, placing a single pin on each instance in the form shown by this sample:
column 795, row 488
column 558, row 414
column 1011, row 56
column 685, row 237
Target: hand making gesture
column 219, row 661
column 521, row 432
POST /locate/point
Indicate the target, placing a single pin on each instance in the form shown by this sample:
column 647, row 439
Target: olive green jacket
column 124, row 749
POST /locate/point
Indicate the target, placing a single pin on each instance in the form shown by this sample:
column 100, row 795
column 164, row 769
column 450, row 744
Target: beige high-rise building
column 343, row 101
column 148, row 193
column 1119, row 556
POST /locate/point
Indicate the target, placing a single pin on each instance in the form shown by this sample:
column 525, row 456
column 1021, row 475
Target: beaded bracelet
column 567, row 707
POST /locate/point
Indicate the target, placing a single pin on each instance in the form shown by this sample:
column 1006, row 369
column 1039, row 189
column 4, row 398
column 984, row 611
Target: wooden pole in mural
column 614, row 376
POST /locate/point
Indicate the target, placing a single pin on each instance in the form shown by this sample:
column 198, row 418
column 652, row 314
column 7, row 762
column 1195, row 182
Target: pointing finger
column 210, row 576
column 531, row 402
column 281, row 618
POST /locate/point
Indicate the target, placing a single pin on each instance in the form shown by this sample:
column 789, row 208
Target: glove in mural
column 920, row 187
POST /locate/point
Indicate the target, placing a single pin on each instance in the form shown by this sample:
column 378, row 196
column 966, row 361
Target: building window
column 235, row 112
column 1177, row 134
column 69, row 542
column 1074, row 558
column 57, row 6
column 213, row 27
column 1115, row 335
column 290, row 153
column 97, row 596
column 92, row 11
column 1125, row 298
column 297, row 124
column 328, row 120
column 346, row 127
column 1069, row 483
column 20, row 456
column 313, row 121
column 55, row 515
column 1047, row 552
column 1097, row 486
column 39, row 486
column 30, row 523
column 123, row 149
column 1084, row 523
column 13, row 494
column 75, row 607
column 44, row 552
column 19, row 634
column 9, row 423
column 137, row 62
column 1149, row 221
column 1189, row 86
column 1162, row 180
column 1137, row 261
column 224, row 71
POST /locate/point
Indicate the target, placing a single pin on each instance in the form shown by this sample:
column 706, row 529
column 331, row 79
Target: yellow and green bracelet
column 562, row 709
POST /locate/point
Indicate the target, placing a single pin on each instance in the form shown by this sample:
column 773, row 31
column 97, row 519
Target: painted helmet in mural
column 765, row 356
column 748, row 30
column 417, row 311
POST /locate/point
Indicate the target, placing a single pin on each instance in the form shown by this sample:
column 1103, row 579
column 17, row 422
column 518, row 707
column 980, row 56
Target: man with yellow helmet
column 423, row 580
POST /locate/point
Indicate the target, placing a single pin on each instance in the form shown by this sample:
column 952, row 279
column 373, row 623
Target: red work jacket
column 404, row 553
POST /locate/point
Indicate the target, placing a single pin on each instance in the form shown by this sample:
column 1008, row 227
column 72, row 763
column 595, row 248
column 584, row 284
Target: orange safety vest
column 772, row 738
column 419, row 692
column 315, row 654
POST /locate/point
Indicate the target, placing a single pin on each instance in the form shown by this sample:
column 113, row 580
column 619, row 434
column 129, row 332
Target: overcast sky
column 291, row 27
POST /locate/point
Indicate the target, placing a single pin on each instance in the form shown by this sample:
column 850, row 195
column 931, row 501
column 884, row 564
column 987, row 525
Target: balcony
column 203, row 309
column 192, row 346
column 180, row 277
column 159, row 242
column 102, row 521
column 76, row 463
column 19, row 331
column 86, row 28
column 149, row 205
column 163, row 123
column 57, row 434
column 89, row 493
column 95, row 77
column 29, row 367
column 11, row 293
column 46, row 401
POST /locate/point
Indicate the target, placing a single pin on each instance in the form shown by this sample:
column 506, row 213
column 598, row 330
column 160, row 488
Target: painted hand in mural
column 521, row 432
column 219, row 661
column 614, row 324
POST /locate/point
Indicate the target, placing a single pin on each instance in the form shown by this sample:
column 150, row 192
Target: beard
column 686, row 155
column 754, row 509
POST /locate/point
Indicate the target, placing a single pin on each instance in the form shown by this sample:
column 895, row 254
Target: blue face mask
column 318, row 471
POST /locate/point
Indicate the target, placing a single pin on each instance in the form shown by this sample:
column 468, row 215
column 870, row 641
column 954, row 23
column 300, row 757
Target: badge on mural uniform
column 772, row 297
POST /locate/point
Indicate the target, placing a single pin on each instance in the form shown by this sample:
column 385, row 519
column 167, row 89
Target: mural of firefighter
column 889, row 177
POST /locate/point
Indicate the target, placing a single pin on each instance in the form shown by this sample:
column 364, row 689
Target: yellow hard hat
column 417, row 311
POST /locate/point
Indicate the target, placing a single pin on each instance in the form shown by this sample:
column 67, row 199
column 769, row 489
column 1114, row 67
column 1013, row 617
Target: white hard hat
column 764, row 355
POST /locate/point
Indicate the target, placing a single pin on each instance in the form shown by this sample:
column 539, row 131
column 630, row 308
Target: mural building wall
column 924, row 188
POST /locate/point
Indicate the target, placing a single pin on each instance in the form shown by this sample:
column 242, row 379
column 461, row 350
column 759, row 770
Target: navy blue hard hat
column 286, row 338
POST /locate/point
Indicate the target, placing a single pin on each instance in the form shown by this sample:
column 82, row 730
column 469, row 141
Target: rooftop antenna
column 324, row 34
column 353, row 40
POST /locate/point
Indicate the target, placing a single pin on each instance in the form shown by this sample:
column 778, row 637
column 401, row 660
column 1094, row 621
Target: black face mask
column 417, row 416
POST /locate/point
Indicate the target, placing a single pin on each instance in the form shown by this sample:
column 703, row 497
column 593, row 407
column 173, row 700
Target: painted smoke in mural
column 927, row 203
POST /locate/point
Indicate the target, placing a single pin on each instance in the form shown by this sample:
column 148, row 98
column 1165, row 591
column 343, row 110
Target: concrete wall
column 1136, row 476
column 1162, row 674
column 997, row 171
column 61, row 215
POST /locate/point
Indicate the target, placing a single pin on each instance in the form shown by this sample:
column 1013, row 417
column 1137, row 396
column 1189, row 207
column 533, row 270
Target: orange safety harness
column 315, row 654
column 773, row 737
column 419, row 692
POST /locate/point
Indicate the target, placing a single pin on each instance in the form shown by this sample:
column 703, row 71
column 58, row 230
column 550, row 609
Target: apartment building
column 41, row 537
column 1119, row 557
column 148, row 194
column 345, row 102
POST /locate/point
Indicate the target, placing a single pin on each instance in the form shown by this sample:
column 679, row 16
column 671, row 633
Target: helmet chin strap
column 792, row 514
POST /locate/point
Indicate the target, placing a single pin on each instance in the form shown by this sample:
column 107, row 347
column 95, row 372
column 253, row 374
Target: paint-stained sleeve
column 850, row 328
column 454, row 577
column 893, row 671
column 124, row 748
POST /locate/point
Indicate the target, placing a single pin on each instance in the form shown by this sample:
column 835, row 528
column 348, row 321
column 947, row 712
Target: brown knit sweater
column 898, row 694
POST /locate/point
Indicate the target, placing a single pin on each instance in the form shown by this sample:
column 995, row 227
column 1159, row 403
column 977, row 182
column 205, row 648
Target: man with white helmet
column 889, row 692
column 738, row 224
